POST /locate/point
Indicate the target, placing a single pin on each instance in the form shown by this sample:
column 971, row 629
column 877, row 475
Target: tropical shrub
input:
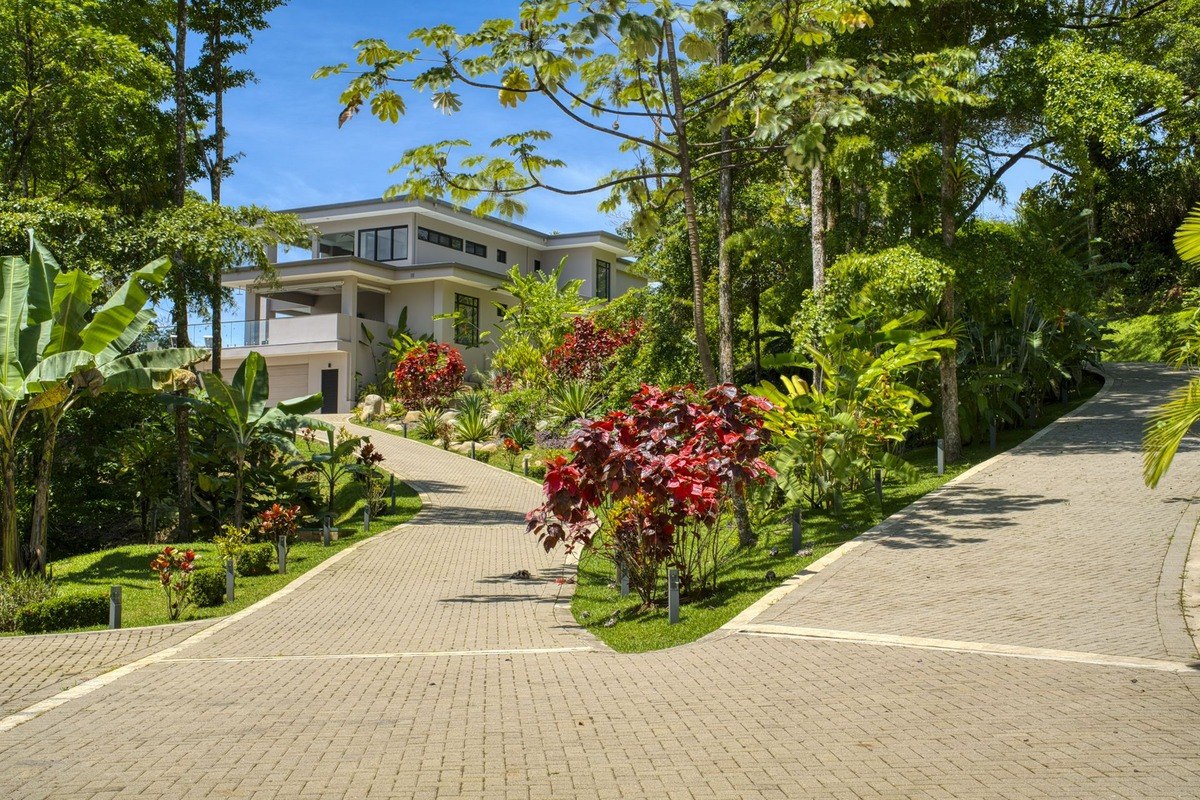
column 277, row 521
column 521, row 435
column 256, row 559
column 208, row 587
column 829, row 440
column 655, row 482
column 174, row 569
column 430, row 373
column 331, row 464
column 80, row 610
column 231, row 543
column 587, row 349
column 19, row 591
column 536, row 322
column 472, row 424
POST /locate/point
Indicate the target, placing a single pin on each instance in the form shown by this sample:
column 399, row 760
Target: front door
column 329, row 389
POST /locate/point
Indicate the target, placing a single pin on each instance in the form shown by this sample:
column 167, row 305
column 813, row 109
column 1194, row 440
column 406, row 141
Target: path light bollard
column 114, row 608
column 992, row 433
column 325, row 522
column 405, row 426
column 472, row 451
column 281, row 551
column 797, row 530
column 367, row 518
column 392, row 490
column 525, row 461
column 1063, row 391
column 623, row 577
column 879, row 486
column 229, row 580
column 673, row 595
column 941, row 457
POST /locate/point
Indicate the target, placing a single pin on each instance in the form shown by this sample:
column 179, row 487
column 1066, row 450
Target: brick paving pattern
column 729, row 717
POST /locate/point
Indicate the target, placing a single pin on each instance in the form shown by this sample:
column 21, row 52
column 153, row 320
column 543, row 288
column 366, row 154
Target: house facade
column 369, row 261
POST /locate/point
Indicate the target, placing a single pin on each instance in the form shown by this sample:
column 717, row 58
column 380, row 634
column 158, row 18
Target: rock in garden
column 372, row 404
column 448, row 417
column 774, row 552
column 771, row 576
column 412, row 417
column 522, row 575
column 610, row 622
column 393, row 426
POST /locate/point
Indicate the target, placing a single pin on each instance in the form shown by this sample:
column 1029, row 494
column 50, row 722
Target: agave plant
column 472, row 424
column 573, row 400
column 523, row 435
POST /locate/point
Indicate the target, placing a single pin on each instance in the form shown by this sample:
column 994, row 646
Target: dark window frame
column 391, row 229
column 475, row 249
column 603, row 268
column 501, row 256
column 439, row 238
column 320, row 245
column 466, row 320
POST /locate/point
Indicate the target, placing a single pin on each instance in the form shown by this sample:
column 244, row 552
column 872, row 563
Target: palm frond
column 1167, row 427
column 1187, row 238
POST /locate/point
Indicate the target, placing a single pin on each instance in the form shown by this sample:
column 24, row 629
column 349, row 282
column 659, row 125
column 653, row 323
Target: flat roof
column 376, row 206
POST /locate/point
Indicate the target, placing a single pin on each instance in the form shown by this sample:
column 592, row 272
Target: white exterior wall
column 315, row 363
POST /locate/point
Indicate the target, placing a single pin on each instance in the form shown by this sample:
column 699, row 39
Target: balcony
column 319, row 332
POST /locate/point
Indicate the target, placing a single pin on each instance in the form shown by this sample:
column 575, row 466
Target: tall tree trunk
column 755, row 317
column 183, row 471
column 218, row 173
column 741, row 516
column 703, row 352
column 9, row 549
column 40, row 513
column 817, row 239
column 949, row 364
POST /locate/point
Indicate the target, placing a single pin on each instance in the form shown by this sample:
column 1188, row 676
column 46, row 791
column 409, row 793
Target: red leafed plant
column 277, row 521
column 587, row 349
column 174, row 569
column 655, row 482
column 429, row 374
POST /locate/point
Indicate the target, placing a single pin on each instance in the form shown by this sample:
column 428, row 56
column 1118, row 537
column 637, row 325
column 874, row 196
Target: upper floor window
column 335, row 244
column 476, row 249
column 603, row 280
column 466, row 320
column 444, row 239
column 383, row 244
column 537, row 265
column 502, row 256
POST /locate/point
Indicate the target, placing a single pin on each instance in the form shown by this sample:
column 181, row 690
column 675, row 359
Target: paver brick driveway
column 924, row 663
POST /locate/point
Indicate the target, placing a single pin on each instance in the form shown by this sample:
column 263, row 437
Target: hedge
column 208, row 587
column 257, row 559
column 63, row 612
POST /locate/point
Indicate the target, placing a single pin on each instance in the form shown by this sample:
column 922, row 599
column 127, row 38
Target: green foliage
column 431, row 426
column 232, row 542
column 1187, row 238
column 536, row 322
column 257, row 559
column 208, row 587
column 76, row 610
column 571, row 401
column 472, row 423
column 331, row 463
column 19, row 591
column 830, row 439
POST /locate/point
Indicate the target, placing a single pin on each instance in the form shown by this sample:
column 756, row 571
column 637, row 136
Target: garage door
column 287, row 382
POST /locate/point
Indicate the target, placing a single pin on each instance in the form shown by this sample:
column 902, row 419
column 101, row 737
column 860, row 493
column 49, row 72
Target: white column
column 350, row 309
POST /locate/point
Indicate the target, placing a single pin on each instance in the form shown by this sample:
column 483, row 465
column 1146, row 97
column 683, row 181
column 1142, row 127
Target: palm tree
column 1171, row 422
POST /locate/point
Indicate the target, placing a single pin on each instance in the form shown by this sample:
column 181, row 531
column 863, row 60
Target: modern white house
column 374, row 258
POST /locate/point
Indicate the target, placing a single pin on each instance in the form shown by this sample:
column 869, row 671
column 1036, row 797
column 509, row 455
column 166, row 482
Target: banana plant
column 239, row 412
column 53, row 351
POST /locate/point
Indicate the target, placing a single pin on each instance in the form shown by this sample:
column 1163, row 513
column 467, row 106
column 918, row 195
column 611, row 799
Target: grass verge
column 144, row 602
column 744, row 580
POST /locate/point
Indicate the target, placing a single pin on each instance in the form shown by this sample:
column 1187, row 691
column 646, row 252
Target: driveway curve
column 1018, row 634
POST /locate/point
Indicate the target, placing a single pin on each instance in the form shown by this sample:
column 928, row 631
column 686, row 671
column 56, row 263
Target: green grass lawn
column 143, row 600
column 744, row 580
column 1146, row 338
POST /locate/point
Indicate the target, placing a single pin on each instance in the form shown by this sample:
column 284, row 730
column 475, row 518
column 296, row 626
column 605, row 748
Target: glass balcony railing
column 298, row 330
column 235, row 333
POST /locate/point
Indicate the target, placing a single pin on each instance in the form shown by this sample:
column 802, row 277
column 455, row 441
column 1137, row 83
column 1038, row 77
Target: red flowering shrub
column 587, row 349
column 656, row 481
column 174, row 569
column 277, row 521
column 429, row 374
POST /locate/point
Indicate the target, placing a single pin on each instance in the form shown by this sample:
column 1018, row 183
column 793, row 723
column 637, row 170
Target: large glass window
column 383, row 244
column 603, row 280
column 437, row 237
column 335, row 244
column 466, row 320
